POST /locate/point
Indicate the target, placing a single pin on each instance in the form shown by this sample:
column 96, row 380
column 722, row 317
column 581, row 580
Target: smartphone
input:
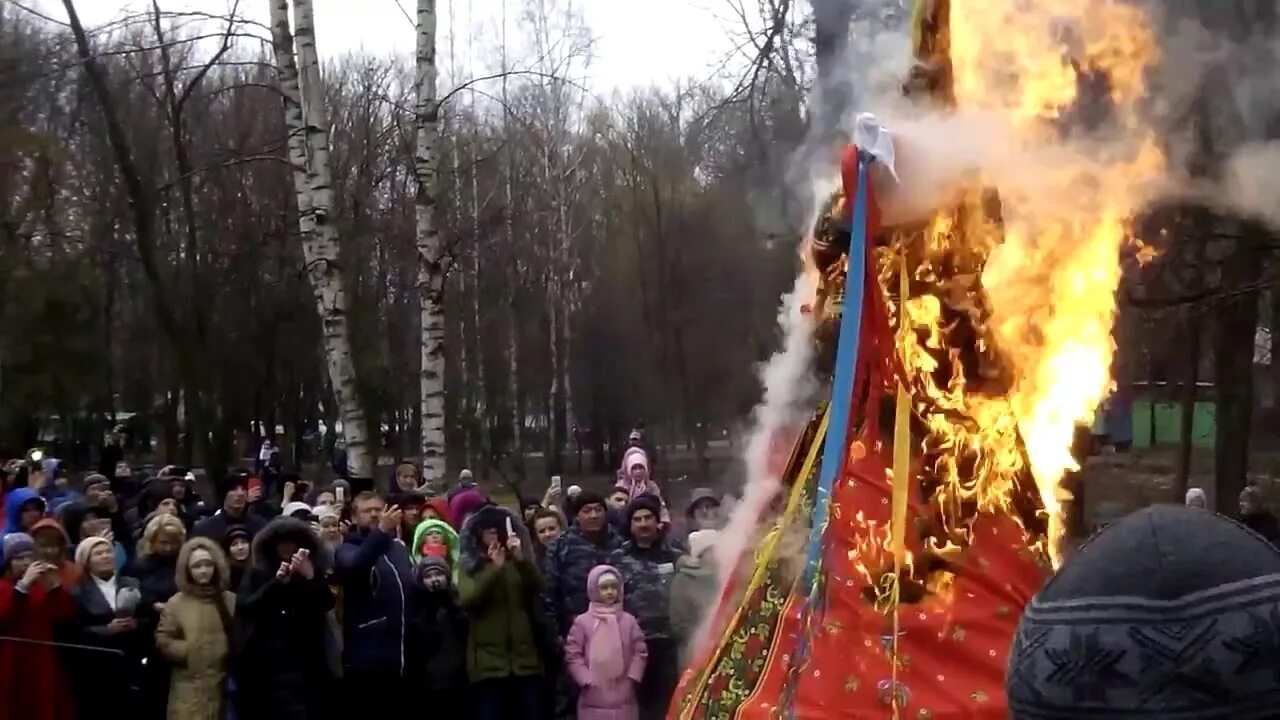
column 555, row 483
column 340, row 496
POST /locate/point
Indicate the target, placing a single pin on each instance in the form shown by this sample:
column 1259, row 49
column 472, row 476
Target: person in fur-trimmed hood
column 195, row 632
column 498, row 586
column 281, row 623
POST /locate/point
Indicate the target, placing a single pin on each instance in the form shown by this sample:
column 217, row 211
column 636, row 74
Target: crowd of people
column 130, row 595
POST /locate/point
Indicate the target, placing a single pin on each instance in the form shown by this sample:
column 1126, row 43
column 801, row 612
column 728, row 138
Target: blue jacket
column 377, row 580
column 13, row 503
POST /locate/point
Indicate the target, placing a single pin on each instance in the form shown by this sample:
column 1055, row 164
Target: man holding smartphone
column 376, row 576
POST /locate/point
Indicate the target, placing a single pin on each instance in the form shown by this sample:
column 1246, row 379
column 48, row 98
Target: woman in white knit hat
column 106, row 603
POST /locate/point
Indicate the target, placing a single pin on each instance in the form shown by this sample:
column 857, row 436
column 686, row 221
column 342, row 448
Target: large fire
column 1012, row 308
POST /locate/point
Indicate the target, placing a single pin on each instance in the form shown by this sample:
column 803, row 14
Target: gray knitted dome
column 1172, row 612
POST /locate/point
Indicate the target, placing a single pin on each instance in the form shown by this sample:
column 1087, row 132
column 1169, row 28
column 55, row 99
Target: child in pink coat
column 634, row 476
column 605, row 652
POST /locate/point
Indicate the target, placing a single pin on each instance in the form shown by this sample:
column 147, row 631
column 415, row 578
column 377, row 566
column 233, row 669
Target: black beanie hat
column 585, row 498
column 1170, row 612
column 647, row 501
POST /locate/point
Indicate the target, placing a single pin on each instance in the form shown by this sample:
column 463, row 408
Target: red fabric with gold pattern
column 952, row 646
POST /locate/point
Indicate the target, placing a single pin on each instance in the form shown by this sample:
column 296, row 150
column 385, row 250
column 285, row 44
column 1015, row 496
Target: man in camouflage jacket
column 648, row 563
column 588, row 542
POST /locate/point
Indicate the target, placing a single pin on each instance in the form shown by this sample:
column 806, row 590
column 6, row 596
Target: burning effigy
column 962, row 323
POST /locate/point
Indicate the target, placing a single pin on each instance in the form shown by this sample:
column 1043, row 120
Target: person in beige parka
column 194, row 632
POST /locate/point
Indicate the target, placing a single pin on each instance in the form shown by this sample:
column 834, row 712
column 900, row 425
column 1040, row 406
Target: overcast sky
column 638, row 43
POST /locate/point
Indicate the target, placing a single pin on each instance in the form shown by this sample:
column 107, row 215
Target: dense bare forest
column 605, row 259
column 575, row 261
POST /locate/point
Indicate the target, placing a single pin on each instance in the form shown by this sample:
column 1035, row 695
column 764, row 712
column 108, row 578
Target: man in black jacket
column 235, row 511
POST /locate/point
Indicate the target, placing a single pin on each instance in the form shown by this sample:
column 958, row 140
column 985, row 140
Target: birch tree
column 305, row 122
column 431, row 266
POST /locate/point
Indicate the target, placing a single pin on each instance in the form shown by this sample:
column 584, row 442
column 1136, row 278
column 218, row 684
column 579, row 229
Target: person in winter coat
column 435, row 538
column 465, row 502
column 54, row 547
column 23, row 508
column 376, row 576
column 635, row 476
column 437, row 508
column 54, row 486
column 406, row 479
column 693, row 590
column 648, row 563
column 82, row 521
column 703, row 512
column 410, row 505
column 547, row 525
column 605, row 652
column 237, row 545
column 498, row 588
column 157, row 569
column 466, row 481
column 33, row 605
column 114, row 640
column 281, row 668
column 195, row 632
column 235, row 511
column 437, row 650
column 587, row 543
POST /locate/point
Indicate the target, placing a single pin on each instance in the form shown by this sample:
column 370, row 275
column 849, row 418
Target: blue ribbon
column 836, row 442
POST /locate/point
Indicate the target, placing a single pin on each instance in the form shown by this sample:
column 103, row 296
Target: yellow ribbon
column 763, row 557
column 901, row 480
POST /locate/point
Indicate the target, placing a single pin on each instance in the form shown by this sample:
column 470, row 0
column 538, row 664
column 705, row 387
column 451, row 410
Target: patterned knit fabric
column 1173, row 612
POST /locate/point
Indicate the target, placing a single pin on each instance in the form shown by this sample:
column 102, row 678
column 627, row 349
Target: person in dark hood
column 235, row 511
column 588, row 542
column 498, row 586
column 124, row 482
column 648, row 563
column 281, row 668
column 437, row 639
column 237, row 544
column 1255, row 515
column 23, row 508
column 375, row 575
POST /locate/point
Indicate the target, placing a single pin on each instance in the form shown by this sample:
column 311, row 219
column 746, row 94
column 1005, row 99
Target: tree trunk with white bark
column 309, row 157
column 481, row 404
column 431, row 266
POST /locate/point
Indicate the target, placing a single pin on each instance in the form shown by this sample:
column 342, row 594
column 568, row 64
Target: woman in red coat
column 33, row 604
